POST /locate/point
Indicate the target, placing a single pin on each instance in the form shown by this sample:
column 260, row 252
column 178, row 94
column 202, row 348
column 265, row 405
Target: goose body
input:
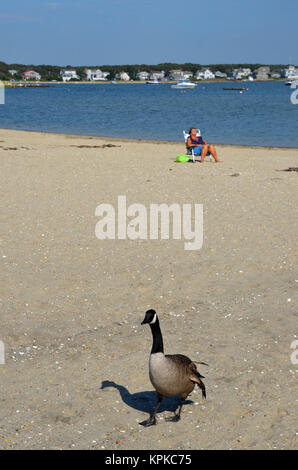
column 170, row 375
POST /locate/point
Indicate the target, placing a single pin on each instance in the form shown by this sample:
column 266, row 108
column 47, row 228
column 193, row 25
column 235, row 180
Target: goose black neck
column 157, row 345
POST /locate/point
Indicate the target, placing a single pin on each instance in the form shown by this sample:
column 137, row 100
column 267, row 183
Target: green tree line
column 51, row 72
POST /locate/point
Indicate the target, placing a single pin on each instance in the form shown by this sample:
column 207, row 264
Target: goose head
column 150, row 317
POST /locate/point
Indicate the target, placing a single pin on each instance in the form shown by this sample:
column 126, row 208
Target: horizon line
column 143, row 64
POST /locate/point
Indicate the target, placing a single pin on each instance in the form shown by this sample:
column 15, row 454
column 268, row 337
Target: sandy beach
column 76, row 356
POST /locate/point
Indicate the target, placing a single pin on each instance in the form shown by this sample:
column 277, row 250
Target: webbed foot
column 174, row 419
column 148, row 422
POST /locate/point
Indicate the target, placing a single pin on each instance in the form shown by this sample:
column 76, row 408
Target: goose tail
column 202, row 387
column 197, row 379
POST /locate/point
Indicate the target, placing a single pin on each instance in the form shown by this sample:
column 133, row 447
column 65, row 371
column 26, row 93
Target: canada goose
column 169, row 374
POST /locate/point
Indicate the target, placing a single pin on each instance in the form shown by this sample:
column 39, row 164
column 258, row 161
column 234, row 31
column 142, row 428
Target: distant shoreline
column 8, row 84
column 142, row 141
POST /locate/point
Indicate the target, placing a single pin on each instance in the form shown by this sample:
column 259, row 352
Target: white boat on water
column 183, row 85
column 152, row 82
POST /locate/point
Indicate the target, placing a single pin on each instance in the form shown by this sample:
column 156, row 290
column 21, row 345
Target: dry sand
column 76, row 372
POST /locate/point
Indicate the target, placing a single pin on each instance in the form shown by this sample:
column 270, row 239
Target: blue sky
column 98, row 32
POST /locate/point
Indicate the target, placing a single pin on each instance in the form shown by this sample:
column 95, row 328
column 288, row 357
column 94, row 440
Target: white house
column 13, row 72
column 178, row 74
column 276, row 75
column 31, row 75
column 205, row 74
column 237, row 74
column 240, row 74
column 262, row 73
column 143, row 75
column 219, row 74
column 122, row 76
column 157, row 75
column 246, row 72
column 291, row 72
column 67, row 75
column 96, row 75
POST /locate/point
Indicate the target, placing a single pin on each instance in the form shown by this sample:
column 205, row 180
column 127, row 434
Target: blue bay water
column 262, row 115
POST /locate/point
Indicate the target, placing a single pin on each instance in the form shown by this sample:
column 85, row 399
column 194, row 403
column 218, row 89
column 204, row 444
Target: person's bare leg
column 204, row 152
column 212, row 150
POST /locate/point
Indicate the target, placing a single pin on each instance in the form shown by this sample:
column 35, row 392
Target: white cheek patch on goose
column 154, row 320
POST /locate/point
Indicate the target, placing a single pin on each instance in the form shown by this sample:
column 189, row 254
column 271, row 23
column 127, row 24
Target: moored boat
column 183, row 85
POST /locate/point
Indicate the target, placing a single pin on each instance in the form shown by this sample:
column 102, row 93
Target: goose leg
column 177, row 416
column 152, row 420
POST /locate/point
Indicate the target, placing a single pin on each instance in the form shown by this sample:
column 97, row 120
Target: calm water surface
column 262, row 115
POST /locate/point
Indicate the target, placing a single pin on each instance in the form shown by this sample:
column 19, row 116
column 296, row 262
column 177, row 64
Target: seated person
column 200, row 146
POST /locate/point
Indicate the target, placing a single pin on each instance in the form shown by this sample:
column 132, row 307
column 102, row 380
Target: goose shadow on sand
column 144, row 401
